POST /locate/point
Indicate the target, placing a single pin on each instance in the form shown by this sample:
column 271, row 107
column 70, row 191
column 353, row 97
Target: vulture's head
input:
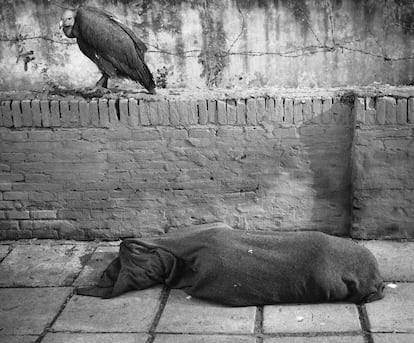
column 67, row 22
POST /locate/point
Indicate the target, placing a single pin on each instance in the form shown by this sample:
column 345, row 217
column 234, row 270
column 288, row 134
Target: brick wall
column 383, row 164
column 115, row 168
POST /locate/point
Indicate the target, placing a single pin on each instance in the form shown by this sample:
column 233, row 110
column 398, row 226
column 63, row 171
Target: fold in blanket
column 242, row 268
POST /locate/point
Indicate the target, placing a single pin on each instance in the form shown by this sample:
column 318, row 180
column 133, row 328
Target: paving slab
column 43, row 264
column 130, row 312
column 394, row 313
column 395, row 259
column 185, row 338
column 95, row 338
column 17, row 339
column 4, row 250
column 29, row 310
column 331, row 317
column 92, row 271
column 183, row 314
column 315, row 339
column 393, row 338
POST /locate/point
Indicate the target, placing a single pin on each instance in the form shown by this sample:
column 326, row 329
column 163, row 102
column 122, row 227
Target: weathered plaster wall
column 231, row 43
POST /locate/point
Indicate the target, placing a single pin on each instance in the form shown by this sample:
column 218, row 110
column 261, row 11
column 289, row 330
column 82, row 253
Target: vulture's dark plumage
column 111, row 45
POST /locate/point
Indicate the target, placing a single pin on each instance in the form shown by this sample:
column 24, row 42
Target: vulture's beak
column 60, row 25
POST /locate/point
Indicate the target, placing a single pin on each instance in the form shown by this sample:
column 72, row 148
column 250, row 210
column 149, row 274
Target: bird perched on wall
column 111, row 45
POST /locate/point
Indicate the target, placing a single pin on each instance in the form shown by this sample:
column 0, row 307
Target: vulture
column 111, row 45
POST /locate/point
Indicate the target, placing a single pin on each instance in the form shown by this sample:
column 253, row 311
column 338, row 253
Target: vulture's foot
column 102, row 82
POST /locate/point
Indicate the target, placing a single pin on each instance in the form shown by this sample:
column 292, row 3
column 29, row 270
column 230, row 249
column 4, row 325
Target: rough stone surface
column 183, row 314
column 311, row 318
column 98, row 262
column 394, row 313
column 4, row 250
column 43, row 265
column 179, row 338
column 95, row 338
column 131, row 312
column 317, row 339
column 393, row 338
column 17, row 339
column 395, row 259
column 26, row 311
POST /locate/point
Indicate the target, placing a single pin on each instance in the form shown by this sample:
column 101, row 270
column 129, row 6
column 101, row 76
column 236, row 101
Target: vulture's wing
column 113, row 44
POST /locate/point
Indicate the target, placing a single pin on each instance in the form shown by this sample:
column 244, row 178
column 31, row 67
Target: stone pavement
column 38, row 304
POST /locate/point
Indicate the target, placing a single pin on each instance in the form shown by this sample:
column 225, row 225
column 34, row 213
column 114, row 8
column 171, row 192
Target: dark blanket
column 242, row 268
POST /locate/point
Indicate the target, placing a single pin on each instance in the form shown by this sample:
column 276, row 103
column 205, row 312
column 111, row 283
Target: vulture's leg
column 103, row 81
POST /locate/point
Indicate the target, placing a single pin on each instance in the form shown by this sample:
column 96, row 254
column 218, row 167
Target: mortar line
column 364, row 320
column 258, row 324
column 59, row 312
column 163, row 302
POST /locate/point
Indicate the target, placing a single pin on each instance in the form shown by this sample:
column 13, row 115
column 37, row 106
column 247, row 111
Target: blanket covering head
column 242, row 268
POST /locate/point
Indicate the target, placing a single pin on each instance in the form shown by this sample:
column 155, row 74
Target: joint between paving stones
column 365, row 326
column 162, row 303
column 62, row 307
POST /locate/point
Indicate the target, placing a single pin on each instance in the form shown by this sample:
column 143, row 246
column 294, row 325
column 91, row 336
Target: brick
column 163, row 113
column 260, row 109
column 84, row 114
column 17, row 214
column 370, row 112
column 327, row 114
column 36, row 113
column 9, row 225
column 270, row 113
column 251, row 112
column 174, row 113
column 231, row 112
column 134, row 119
column 297, row 111
column 103, row 113
column 43, row 214
column 279, row 110
column 113, row 111
column 65, row 113
column 202, row 112
column 1, row 115
column 27, row 118
column 393, row 337
column 54, row 113
column 45, row 113
column 14, row 136
column 183, row 112
column 6, row 112
column 381, row 110
column 15, row 195
column 5, row 186
column 207, row 338
column 6, row 205
column 327, row 317
column 410, row 114
column 316, row 110
column 330, row 338
column 193, row 112
column 144, row 113
column 359, row 110
column 11, row 177
column 16, row 113
column 221, row 112
column 394, row 312
column 401, row 111
column 241, row 112
column 153, row 113
column 89, row 314
column 390, row 110
column 188, row 315
column 123, row 112
column 94, row 113
column 307, row 110
column 212, row 111
column 288, row 111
